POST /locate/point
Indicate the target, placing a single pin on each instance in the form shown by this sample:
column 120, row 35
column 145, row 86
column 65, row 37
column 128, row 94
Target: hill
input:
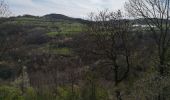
column 63, row 17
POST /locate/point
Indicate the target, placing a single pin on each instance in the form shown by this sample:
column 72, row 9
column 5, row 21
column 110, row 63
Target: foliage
column 65, row 93
column 46, row 94
column 99, row 93
column 152, row 86
column 30, row 94
column 10, row 93
column 115, row 52
column 55, row 50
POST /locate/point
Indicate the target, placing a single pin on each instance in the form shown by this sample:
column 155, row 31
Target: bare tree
column 111, row 30
column 4, row 9
column 156, row 14
column 4, row 12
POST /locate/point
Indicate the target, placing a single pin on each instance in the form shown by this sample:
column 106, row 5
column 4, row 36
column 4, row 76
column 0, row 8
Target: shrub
column 99, row 93
column 46, row 94
column 65, row 93
column 10, row 93
column 30, row 94
column 36, row 36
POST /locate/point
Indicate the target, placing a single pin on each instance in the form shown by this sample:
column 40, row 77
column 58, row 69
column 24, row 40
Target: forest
column 111, row 55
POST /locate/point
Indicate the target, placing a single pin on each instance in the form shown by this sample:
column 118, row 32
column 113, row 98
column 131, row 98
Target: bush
column 46, row 94
column 30, row 94
column 10, row 93
column 65, row 93
column 36, row 36
column 92, row 90
column 62, row 93
column 8, row 29
column 99, row 94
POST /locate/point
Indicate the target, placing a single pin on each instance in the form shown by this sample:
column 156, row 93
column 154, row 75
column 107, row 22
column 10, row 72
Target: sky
column 72, row 8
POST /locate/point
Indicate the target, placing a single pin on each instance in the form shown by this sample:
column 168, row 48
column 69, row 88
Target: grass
column 54, row 28
column 66, row 29
column 61, row 27
column 52, row 34
column 62, row 51
column 52, row 50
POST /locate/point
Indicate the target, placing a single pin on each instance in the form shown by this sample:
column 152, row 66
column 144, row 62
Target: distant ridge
column 53, row 17
column 63, row 17
column 57, row 16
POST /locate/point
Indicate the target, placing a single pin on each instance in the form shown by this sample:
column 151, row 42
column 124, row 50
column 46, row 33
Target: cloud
column 73, row 8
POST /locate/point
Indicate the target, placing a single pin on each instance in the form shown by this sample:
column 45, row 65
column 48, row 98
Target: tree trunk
column 118, row 95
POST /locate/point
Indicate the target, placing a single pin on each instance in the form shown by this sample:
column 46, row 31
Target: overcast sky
column 73, row 8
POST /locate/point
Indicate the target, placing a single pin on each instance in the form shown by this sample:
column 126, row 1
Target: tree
column 111, row 33
column 156, row 14
column 153, row 87
column 4, row 12
column 4, row 9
